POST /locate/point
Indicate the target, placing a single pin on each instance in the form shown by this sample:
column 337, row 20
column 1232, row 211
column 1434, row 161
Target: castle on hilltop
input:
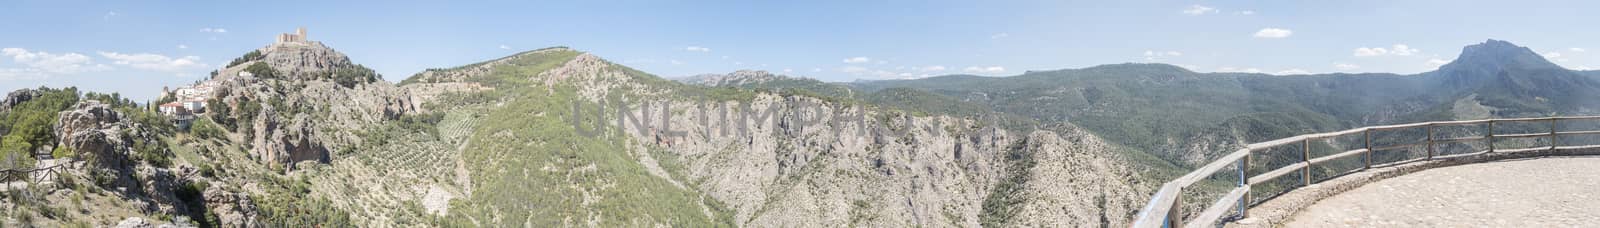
column 299, row 36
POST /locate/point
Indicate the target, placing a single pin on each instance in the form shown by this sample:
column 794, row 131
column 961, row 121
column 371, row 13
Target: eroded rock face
column 740, row 77
column 287, row 142
column 937, row 171
column 87, row 115
column 105, row 141
column 17, row 97
column 232, row 209
column 304, row 116
column 299, row 60
column 93, row 131
column 806, row 167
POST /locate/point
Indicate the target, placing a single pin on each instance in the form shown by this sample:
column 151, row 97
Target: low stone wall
column 1279, row 210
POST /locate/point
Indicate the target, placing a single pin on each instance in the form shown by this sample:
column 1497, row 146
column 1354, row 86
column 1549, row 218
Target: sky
column 136, row 47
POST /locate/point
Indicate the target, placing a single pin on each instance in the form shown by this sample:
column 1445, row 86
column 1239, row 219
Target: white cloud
column 1273, row 33
column 929, row 68
column 1293, row 71
column 787, row 70
column 214, row 30
column 1397, row 49
column 853, row 69
column 1346, row 66
column 675, row 62
column 738, row 63
column 180, row 46
column 1236, row 69
column 46, row 62
column 984, row 70
column 505, row 47
column 857, row 59
column 1159, row 55
column 1556, row 56
column 1199, row 10
column 1577, row 50
column 1247, row 12
column 155, row 62
column 1551, row 55
column 108, row 15
column 999, row 35
column 1365, row 51
column 698, row 49
column 816, row 69
column 8, row 74
column 1437, row 62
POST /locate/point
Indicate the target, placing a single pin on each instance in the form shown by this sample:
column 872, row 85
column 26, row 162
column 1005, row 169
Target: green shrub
column 156, row 153
column 63, row 152
column 261, row 70
column 251, row 56
column 204, row 128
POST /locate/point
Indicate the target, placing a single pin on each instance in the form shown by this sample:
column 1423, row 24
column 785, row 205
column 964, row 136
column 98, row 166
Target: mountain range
column 297, row 134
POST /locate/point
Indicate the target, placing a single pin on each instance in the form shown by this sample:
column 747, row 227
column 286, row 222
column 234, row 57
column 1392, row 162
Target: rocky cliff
column 304, row 113
column 111, row 167
column 803, row 161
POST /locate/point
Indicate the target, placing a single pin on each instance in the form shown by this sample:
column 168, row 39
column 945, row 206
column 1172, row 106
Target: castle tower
column 301, row 33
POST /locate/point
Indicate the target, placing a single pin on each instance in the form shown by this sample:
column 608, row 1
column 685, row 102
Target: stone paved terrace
column 1514, row 188
column 1540, row 192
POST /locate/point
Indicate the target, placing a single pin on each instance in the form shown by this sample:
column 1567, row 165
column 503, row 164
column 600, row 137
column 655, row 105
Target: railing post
column 1490, row 135
column 1175, row 215
column 1244, row 182
column 1553, row 138
column 1368, row 140
column 1430, row 141
column 1305, row 156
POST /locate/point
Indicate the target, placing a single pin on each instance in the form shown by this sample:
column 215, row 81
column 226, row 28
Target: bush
column 63, row 152
column 204, row 128
column 155, row 153
column 251, row 56
column 261, row 70
column 350, row 76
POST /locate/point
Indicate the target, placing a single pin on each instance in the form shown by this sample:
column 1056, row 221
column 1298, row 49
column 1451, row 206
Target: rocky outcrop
column 298, row 60
column 137, row 222
column 17, row 97
column 818, row 163
column 304, row 115
column 110, row 147
column 736, row 78
column 232, row 209
column 95, row 133
column 287, row 141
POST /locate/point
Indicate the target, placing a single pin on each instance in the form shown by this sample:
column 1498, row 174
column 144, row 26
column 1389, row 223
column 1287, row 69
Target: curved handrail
column 1163, row 210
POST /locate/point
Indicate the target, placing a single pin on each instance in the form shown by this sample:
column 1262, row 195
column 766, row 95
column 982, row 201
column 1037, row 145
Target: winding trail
column 1544, row 192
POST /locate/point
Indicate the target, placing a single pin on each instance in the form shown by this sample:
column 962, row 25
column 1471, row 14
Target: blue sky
column 135, row 47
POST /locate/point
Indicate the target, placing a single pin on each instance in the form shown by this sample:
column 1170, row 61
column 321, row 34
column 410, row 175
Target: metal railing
column 1164, row 209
